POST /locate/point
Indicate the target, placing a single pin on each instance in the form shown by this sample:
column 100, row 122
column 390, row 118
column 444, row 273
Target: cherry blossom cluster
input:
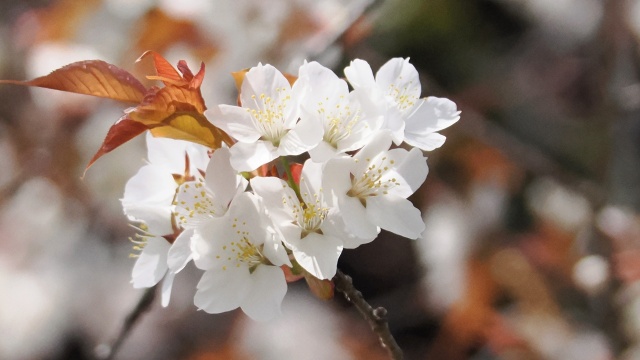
column 245, row 218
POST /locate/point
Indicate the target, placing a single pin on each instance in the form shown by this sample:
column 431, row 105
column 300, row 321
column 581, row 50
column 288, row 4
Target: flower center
column 195, row 203
column 338, row 123
column 312, row 217
column 242, row 252
column 403, row 98
column 309, row 214
column 372, row 182
column 268, row 115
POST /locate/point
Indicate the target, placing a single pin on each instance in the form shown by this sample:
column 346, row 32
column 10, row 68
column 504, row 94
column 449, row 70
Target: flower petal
column 311, row 180
column 148, row 196
column 203, row 243
column 268, row 287
column 166, row 152
column 156, row 218
column 223, row 180
column 433, row 114
column 322, row 81
column 409, row 173
column 359, row 74
column 305, row 135
column 425, row 142
column 333, row 225
column 151, row 264
column 399, row 78
column 336, row 179
column 170, row 154
column 395, row 214
column 274, row 192
column 356, row 219
column 262, row 80
column 220, row 291
column 318, row 254
column 274, row 250
column 323, row 152
column 249, row 156
column 180, row 252
column 235, row 121
column 378, row 144
column 195, row 204
column 167, row 285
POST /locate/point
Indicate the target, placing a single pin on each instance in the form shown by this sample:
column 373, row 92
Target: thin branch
column 377, row 318
column 144, row 304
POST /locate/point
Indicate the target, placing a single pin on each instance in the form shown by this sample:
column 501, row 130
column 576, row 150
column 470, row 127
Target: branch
column 143, row 306
column 377, row 318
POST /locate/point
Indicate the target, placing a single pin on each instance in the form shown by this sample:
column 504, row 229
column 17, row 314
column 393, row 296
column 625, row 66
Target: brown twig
column 143, row 306
column 377, row 318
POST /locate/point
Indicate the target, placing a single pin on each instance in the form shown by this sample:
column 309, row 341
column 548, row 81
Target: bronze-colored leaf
column 164, row 70
column 178, row 113
column 175, row 111
column 91, row 77
column 168, row 74
column 122, row 131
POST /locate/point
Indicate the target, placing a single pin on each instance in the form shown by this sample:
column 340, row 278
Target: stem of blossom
column 143, row 305
column 290, row 180
column 377, row 318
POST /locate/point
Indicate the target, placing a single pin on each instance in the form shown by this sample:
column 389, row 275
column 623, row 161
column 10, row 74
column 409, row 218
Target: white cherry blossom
column 209, row 197
column 371, row 189
column 242, row 262
column 148, row 200
column 328, row 101
column 395, row 94
column 149, row 194
column 266, row 126
column 160, row 259
column 201, row 200
column 190, row 207
column 308, row 226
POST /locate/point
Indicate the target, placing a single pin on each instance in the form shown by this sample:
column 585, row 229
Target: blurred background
column 532, row 241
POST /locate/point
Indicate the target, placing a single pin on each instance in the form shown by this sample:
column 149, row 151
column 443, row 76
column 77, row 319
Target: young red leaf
column 178, row 113
column 185, row 71
column 175, row 111
column 164, row 70
column 196, row 80
column 122, row 131
column 91, row 77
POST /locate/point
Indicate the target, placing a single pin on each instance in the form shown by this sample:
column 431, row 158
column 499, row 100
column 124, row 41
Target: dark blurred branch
column 377, row 318
column 143, row 306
